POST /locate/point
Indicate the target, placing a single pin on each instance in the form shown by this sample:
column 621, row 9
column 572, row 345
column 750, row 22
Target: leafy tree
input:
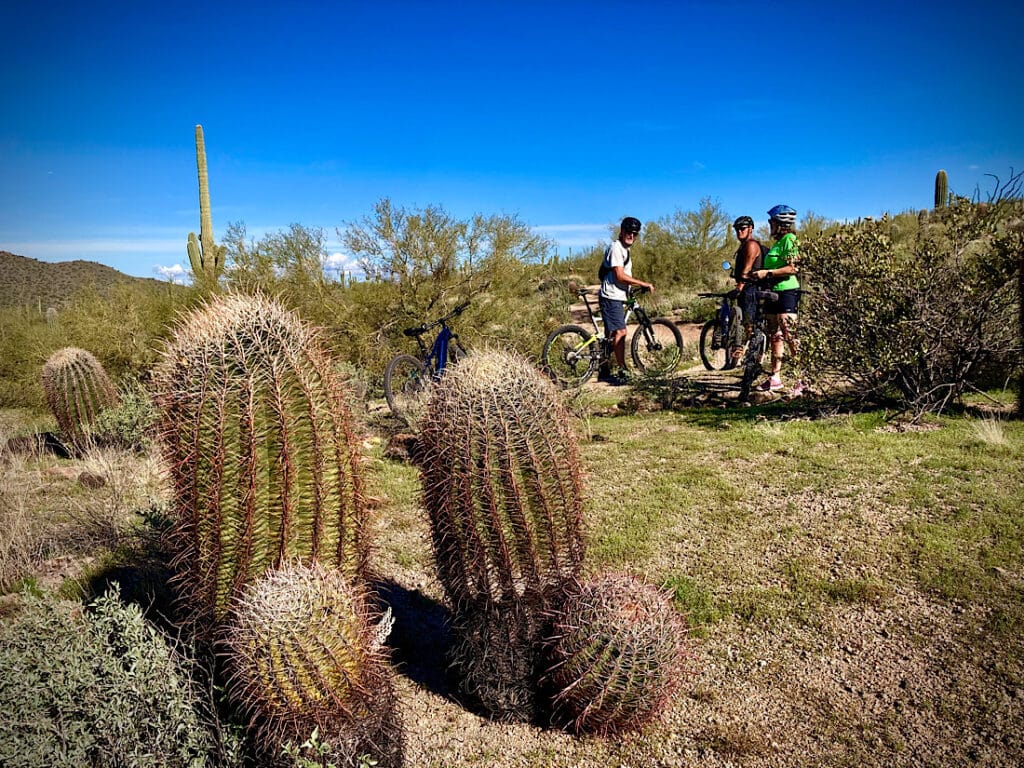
column 687, row 248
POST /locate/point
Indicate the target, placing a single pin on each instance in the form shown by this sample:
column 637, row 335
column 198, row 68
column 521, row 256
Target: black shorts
column 746, row 301
column 786, row 305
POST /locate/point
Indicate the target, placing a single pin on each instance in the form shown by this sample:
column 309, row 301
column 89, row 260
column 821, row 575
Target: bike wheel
column 657, row 348
column 715, row 359
column 567, row 357
column 752, row 363
column 406, row 385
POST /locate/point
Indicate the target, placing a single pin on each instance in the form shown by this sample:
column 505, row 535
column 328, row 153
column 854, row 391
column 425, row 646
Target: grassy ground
column 854, row 589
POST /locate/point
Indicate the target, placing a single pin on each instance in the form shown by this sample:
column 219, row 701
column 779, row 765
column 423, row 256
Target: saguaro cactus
column 204, row 255
column 616, row 655
column 77, row 389
column 262, row 451
column 941, row 189
column 502, row 486
column 304, row 652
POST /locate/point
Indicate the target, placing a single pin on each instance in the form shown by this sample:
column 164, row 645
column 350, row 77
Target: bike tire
column 752, row 363
column 720, row 359
column 567, row 357
column 657, row 349
column 406, row 384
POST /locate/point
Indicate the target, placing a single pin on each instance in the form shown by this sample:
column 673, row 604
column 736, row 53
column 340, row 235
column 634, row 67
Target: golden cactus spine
column 262, row 450
column 77, row 390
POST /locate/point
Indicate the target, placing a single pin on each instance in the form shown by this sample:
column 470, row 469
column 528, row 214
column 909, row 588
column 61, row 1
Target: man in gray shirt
column 616, row 279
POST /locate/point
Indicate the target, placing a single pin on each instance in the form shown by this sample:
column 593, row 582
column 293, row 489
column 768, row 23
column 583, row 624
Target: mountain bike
column 407, row 378
column 722, row 335
column 572, row 353
column 757, row 344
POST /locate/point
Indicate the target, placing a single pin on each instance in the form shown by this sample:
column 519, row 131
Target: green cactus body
column 941, row 189
column 304, row 651
column 205, row 257
column 77, row 390
column 262, row 451
column 503, row 489
column 616, row 655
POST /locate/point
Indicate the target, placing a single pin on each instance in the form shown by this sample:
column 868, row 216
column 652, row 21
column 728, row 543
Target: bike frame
column 598, row 333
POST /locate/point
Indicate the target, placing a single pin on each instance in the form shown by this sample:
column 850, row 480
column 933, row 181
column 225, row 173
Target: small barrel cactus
column 305, row 653
column 502, row 486
column 616, row 655
column 262, row 450
column 77, row 390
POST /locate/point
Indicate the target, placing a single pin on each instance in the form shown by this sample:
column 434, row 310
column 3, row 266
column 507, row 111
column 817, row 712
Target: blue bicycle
column 407, row 379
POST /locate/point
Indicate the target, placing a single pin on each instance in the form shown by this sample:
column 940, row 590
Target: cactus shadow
column 420, row 638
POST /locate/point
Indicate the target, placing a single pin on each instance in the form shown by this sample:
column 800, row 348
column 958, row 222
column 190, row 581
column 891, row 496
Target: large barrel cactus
column 77, row 390
column 502, row 486
column 305, row 652
column 615, row 655
column 262, row 452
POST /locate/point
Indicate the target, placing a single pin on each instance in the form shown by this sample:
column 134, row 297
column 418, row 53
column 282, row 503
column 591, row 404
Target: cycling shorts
column 786, row 305
column 613, row 312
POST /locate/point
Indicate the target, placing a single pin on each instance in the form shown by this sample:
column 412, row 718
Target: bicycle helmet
column 783, row 214
column 743, row 221
column 630, row 226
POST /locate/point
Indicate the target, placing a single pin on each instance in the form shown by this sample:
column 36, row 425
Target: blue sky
column 567, row 114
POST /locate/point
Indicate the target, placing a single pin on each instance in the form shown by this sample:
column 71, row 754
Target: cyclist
column 616, row 277
column 747, row 259
column 779, row 273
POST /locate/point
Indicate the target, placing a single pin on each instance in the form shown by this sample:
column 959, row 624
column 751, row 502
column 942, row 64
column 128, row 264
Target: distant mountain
column 25, row 281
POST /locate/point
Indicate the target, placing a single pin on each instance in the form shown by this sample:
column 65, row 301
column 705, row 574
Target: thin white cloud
column 72, row 249
column 176, row 274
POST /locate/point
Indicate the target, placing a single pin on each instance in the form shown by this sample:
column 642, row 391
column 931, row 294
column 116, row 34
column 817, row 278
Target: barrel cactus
column 502, row 486
column 615, row 655
column 304, row 652
column 262, row 452
column 77, row 390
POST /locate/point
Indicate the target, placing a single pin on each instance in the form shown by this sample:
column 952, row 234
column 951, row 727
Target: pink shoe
column 771, row 384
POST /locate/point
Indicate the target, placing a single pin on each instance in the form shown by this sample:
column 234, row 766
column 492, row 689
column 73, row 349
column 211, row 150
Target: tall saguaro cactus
column 262, row 450
column 941, row 189
column 77, row 389
column 502, row 486
column 204, row 255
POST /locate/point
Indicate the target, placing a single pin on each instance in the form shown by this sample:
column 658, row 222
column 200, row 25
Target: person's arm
column 789, row 253
column 623, row 279
column 750, row 254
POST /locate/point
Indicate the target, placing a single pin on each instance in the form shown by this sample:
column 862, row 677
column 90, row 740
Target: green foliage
column 502, row 486
column 305, row 656
column 941, row 189
column 130, row 424
column 98, row 688
column 263, row 454
column 77, row 390
column 616, row 655
column 686, row 248
column 119, row 325
column 204, row 255
column 920, row 314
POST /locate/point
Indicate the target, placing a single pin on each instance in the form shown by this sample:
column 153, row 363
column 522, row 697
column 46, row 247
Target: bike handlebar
column 419, row 330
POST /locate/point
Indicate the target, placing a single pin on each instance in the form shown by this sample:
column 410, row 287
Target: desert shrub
column 914, row 313
column 130, row 424
column 98, row 687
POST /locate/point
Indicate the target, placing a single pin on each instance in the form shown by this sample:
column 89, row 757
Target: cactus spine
column 304, row 652
column 502, row 486
column 77, row 389
column 616, row 655
column 941, row 189
column 262, row 451
column 204, row 255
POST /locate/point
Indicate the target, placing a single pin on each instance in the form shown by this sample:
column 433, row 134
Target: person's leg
column 613, row 314
column 619, row 347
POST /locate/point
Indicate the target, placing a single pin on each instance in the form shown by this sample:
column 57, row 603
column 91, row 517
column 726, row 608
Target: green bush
column 916, row 313
column 98, row 687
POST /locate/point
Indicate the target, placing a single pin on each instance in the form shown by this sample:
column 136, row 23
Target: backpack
column 758, row 262
column 606, row 269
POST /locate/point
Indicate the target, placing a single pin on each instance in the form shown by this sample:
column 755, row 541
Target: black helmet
column 743, row 221
column 630, row 226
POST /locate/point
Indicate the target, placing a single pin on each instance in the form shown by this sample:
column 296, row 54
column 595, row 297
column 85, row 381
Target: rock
column 91, row 480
